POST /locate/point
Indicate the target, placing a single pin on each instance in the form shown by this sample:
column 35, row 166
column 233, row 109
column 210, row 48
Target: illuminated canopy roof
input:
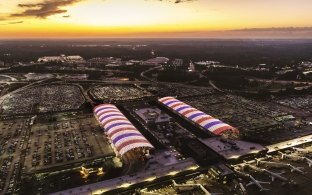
column 123, row 135
column 202, row 119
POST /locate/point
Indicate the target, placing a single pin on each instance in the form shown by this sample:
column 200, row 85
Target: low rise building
column 62, row 58
column 156, row 61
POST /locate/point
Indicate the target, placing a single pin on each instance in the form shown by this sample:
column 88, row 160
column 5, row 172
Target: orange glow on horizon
column 150, row 18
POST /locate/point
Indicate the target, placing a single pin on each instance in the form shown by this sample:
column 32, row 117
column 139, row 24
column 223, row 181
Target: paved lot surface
column 60, row 143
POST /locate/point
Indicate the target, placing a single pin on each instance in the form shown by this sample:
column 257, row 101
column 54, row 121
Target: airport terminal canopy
column 202, row 119
column 122, row 134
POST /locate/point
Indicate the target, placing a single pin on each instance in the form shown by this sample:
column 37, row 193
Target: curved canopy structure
column 122, row 134
column 207, row 122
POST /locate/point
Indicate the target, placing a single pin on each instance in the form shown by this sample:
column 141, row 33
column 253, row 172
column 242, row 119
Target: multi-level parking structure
column 198, row 117
column 122, row 134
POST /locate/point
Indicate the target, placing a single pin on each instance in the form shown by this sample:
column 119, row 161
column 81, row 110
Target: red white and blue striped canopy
column 202, row 119
column 123, row 135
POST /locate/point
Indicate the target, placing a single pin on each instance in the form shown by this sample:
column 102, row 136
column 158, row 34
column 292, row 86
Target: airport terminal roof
column 204, row 120
column 123, row 135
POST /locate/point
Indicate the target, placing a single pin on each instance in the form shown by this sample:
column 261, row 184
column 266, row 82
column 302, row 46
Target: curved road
column 8, row 76
column 149, row 70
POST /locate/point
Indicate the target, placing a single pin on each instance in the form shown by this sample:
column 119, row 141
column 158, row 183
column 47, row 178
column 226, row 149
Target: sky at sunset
column 155, row 18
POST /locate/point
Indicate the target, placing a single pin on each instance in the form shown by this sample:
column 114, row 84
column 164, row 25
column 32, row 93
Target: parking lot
column 232, row 110
column 298, row 102
column 42, row 99
column 65, row 142
column 178, row 91
column 13, row 140
column 26, row 149
column 110, row 93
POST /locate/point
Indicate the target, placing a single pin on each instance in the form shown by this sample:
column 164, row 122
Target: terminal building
column 124, row 137
column 203, row 120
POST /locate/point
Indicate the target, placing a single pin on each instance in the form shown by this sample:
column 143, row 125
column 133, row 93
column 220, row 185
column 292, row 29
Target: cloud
column 16, row 22
column 182, row 1
column 266, row 33
column 44, row 9
column 177, row 1
column 276, row 29
column 13, row 22
column 48, row 8
column 30, row 5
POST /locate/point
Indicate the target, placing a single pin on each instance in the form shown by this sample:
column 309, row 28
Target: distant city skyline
column 155, row 19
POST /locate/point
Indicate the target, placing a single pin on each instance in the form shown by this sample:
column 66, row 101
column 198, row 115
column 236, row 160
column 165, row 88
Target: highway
column 8, row 76
column 215, row 87
column 149, row 70
column 280, row 81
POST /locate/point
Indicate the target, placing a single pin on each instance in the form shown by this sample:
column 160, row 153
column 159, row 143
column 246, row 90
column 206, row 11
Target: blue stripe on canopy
column 182, row 108
column 106, row 108
column 172, row 101
column 207, row 126
column 124, row 136
column 110, row 115
column 117, row 124
column 196, row 115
